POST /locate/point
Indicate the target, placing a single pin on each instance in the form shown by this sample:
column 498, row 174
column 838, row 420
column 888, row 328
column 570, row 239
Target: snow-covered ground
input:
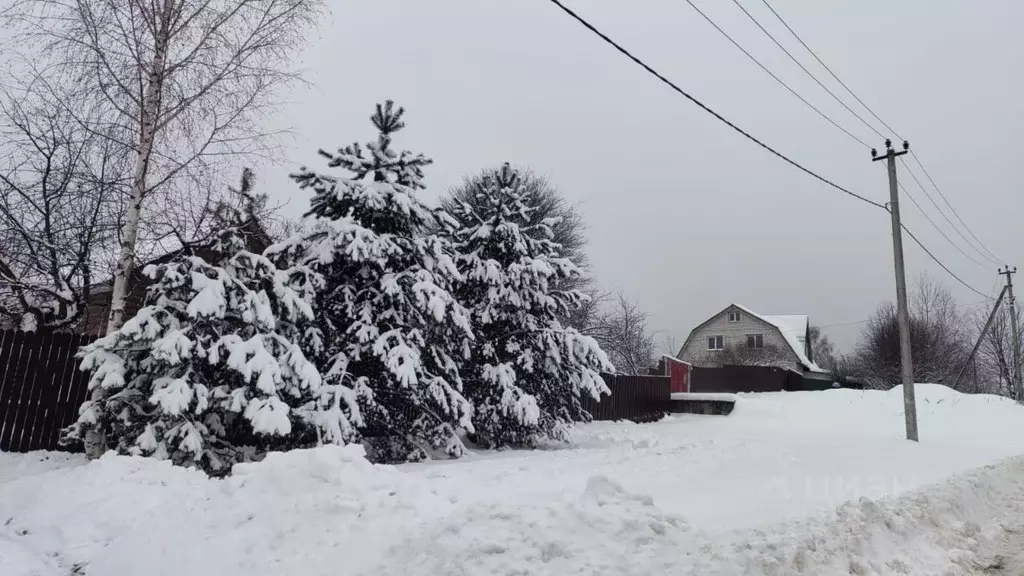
column 766, row 490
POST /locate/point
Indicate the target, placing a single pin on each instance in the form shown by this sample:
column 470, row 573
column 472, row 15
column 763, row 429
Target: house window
column 755, row 340
column 734, row 316
column 716, row 343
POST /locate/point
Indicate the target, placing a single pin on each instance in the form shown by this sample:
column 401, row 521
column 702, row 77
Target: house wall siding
column 735, row 334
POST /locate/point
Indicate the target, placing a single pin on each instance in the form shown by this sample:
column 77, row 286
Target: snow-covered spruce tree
column 391, row 328
column 527, row 371
column 210, row 372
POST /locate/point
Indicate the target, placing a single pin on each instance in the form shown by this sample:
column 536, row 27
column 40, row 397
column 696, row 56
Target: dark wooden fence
column 636, row 398
column 743, row 379
column 41, row 388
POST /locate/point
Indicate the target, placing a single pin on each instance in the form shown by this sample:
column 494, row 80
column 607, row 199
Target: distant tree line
column 942, row 334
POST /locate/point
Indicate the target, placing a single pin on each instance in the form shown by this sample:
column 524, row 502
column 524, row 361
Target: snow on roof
column 794, row 329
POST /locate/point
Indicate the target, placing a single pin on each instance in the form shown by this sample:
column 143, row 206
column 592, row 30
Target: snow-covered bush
column 212, row 370
column 392, row 330
column 526, row 372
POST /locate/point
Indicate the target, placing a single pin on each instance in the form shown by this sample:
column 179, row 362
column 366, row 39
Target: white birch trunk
column 95, row 440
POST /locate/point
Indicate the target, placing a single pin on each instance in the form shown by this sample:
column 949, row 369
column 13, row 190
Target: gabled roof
column 792, row 327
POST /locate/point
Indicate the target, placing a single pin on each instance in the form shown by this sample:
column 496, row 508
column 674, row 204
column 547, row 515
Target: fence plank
column 18, row 366
column 40, row 388
column 6, row 350
column 79, row 390
column 6, row 343
column 12, row 388
column 28, row 367
column 636, row 398
column 47, row 399
column 10, row 343
column 51, row 401
column 69, row 378
column 40, row 376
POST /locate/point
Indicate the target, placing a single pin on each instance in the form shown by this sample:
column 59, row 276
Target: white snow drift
column 791, row 483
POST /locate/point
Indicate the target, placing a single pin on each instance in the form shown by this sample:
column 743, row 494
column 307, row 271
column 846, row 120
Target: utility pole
column 902, row 312
column 981, row 338
column 1018, row 386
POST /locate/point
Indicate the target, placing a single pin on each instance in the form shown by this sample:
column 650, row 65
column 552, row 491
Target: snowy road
column 764, row 491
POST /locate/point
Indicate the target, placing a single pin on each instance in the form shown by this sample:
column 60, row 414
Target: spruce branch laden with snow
column 392, row 330
column 526, row 373
column 212, row 371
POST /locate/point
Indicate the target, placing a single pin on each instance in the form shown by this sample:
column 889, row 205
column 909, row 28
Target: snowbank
column 795, row 483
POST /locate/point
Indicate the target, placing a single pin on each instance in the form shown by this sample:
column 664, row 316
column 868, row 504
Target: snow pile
column 610, row 531
column 131, row 515
column 604, row 530
column 792, row 483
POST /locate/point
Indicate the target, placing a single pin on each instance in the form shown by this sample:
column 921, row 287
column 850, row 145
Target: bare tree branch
column 939, row 339
column 59, row 186
column 183, row 85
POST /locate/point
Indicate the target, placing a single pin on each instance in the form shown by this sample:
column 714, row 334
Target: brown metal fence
column 41, row 388
column 744, row 379
column 636, row 398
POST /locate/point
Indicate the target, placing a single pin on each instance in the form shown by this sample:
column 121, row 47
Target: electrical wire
column 985, row 302
column 704, row 107
column 806, row 71
column 931, row 199
column 941, row 265
column 929, row 252
column 826, row 67
column 989, row 254
column 750, row 137
column 843, row 324
column 939, row 230
column 772, row 74
column 948, row 221
column 953, row 210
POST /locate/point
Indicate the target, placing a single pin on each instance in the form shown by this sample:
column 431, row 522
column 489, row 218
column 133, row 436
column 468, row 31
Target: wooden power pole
column 902, row 312
column 1018, row 386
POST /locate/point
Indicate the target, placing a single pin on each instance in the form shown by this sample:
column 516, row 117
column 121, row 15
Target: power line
column 843, row 324
column 704, row 107
column 943, row 266
column 948, row 221
column 953, row 210
column 986, row 302
column 825, row 66
column 772, row 74
column 939, row 230
column 835, row 76
column 746, row 134
column 806, row 71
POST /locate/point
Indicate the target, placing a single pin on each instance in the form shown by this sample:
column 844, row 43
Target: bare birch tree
column 184, row 83
column 61, row 186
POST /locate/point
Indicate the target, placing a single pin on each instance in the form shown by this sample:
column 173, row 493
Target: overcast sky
column 684, row 214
